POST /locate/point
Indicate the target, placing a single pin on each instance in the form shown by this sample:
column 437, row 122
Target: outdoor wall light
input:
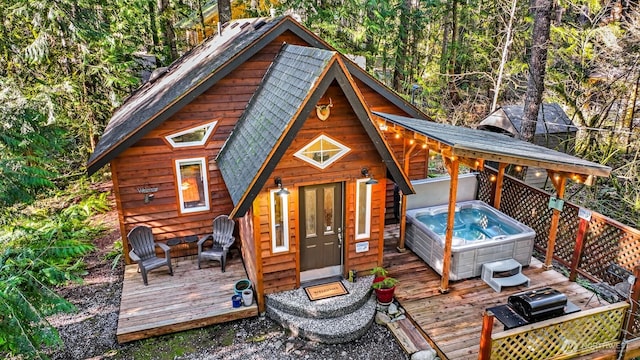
column 365, row 173
column 281, row 191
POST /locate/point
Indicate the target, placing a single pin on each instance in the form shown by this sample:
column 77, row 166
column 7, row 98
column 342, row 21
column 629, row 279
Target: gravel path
column 90, row 333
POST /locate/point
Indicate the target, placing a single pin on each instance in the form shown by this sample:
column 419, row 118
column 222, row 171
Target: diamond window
column 196, row 136
column 322, row 152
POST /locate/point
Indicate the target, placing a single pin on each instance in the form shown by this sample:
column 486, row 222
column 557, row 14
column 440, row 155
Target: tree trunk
column 167, row 29
column 631, row 111
column 505, row 55
column 153, row 28
column 399, row 71
column 537, row 67
column 224, row 11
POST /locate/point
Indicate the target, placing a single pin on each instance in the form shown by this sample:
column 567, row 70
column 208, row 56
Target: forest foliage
column 65, row 65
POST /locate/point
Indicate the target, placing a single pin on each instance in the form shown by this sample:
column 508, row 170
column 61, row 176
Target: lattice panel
column 582, row 335
column 529, row 206
column 485, row 186
column 607, row 241
column 600, row 249
column 567, row 232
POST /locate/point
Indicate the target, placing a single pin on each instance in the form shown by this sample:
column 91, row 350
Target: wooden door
column 321, row 226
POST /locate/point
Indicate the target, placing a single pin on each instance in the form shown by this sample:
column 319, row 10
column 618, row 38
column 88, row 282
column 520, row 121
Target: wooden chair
column 222, row 239
column 143, row 251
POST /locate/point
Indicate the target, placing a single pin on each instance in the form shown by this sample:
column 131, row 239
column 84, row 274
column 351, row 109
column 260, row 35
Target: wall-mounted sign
column 555, row 203
column 362, row 246
column 584, row 214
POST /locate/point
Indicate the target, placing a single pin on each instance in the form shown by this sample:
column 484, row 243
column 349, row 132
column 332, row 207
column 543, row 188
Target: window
column 322, row 152
column 279, row 222
column 196, row 136
column 192, row 185
column 363, row 209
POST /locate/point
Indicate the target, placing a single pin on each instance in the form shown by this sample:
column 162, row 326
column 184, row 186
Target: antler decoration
column 323, row 110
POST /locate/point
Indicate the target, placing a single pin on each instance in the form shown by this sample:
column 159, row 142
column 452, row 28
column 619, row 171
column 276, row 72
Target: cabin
column 554, row 130
column 263, row 106
column 309, row 154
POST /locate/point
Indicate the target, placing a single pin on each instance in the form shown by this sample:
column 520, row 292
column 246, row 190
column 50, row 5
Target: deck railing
column 585, row 247
column 585, row 332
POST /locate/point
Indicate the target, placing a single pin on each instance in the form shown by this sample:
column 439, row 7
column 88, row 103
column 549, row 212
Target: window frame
column 367, row 225
column 202, row 161
column 300, row 154
column 205, row 138
column 285, row 221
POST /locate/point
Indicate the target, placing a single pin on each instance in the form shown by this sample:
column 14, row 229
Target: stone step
column 332, row 330
column 296, row 302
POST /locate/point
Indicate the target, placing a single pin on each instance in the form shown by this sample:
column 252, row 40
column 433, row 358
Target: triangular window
column 322, row 152
column 196, row 136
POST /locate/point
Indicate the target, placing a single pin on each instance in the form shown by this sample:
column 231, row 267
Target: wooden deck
column 452, row 322
column 190, row 299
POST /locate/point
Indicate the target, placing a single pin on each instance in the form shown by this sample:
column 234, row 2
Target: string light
column 518, row 168
column 424, row 146
column 492, row 178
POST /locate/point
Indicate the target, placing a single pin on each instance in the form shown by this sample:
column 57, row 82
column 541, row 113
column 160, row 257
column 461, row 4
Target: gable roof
column 197, row 71
column 551, row 120
column 475, row 143
column 295, row 82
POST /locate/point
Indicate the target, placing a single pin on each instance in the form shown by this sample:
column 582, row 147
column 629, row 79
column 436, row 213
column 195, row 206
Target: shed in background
column 554, row 130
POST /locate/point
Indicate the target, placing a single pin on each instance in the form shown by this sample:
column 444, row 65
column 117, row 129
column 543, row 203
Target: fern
column 38, row 253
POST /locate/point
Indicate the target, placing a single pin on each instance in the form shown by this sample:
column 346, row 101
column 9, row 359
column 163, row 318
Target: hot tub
column 481, row 234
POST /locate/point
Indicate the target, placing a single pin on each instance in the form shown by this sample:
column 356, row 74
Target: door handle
column 339, row 238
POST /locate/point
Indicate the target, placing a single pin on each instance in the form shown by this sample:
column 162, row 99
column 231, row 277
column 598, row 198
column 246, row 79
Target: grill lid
column 540, row 304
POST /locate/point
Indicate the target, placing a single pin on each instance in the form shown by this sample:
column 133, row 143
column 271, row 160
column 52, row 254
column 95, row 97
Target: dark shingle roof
column 198, row 70
column 286, row 86
column 151, row 101
column 495, row 147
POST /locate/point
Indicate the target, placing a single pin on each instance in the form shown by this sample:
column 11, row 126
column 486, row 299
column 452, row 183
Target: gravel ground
column 90, row 333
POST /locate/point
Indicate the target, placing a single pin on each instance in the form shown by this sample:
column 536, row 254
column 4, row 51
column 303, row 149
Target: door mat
column 324, row 291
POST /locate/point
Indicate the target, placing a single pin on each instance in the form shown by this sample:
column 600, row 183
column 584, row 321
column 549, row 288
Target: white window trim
column 343, row 150
column 206, row 136
column 367, row 224
column 285, row 222
column 203, row 163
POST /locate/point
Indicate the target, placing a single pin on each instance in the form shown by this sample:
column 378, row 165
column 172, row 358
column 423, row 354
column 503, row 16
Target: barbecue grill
column 533, row 306
column 538, row 305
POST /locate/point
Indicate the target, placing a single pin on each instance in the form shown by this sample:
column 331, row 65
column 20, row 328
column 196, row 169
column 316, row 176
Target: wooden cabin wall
column 280, row 270
column 150, row 161
column 251, row 254
column 418, row 166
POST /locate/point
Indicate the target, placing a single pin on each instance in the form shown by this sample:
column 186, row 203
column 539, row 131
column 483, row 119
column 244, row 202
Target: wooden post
column 452, row 167
column 499, row 181
column 635, row 296
column 583, row 230
column 485, row 336
column 403, row 208
column 558, row 180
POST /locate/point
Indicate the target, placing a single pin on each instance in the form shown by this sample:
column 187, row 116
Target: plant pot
column 247, row 297
column 236, row 301
column 241, row 285
column 385, row 296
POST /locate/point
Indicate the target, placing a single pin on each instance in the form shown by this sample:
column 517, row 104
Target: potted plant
column 379, row 273
column 383, row 285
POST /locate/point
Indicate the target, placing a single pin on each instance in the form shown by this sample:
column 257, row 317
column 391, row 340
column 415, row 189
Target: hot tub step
column 510, row 265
